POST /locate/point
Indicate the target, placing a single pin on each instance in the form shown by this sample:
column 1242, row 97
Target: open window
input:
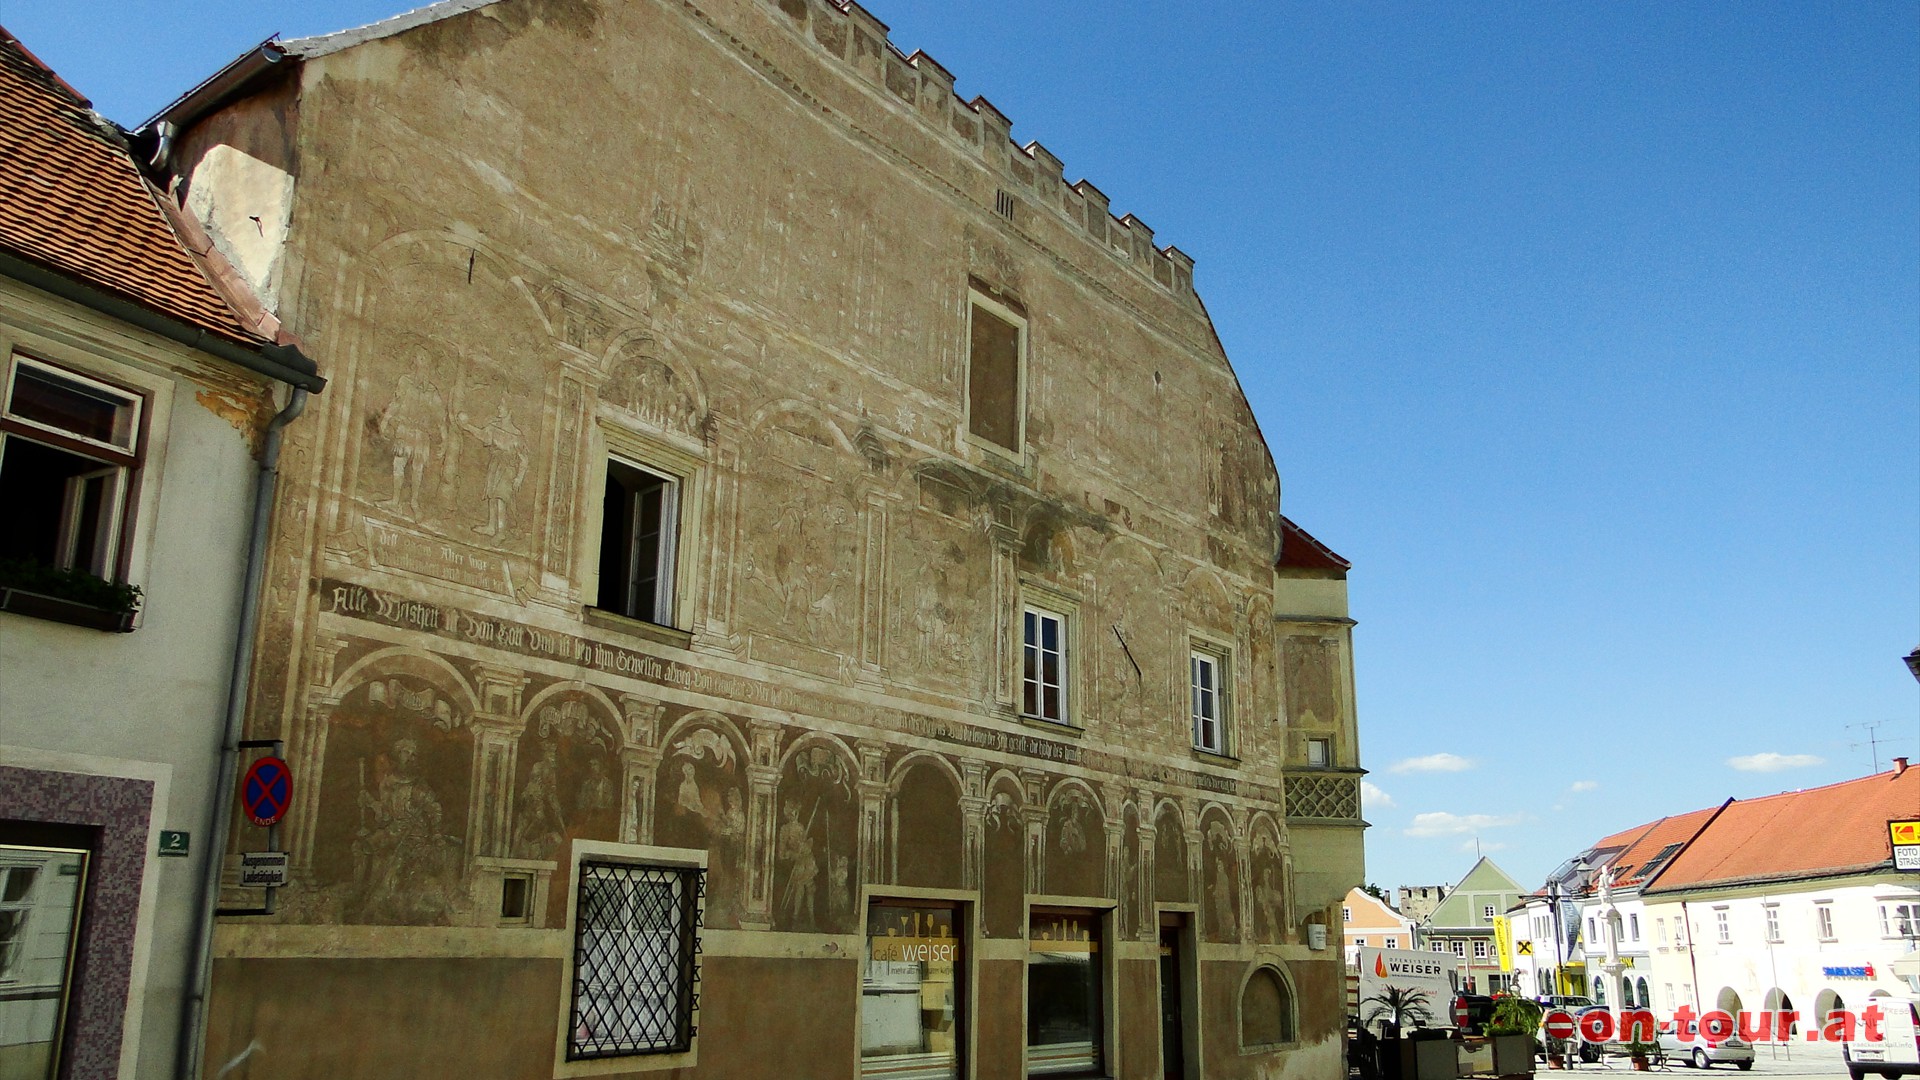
column 1207, row 669
column 639, row 539
column 69, row 456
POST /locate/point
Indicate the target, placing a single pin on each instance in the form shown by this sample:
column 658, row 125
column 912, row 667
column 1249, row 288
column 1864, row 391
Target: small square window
column 636, row 934
column 1209, row 699
column 1459, row 948
column 1479, row 950
column 69, row 453
column 1393, row 943
column 1043, row 680
column 1486, row 912
column 1360, row 942
column 516, row 897
column 638, row 537
column 1319, row 753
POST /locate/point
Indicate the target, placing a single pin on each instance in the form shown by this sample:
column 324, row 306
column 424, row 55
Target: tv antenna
column 1873, row 740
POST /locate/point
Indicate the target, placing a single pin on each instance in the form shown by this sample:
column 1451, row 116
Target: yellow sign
column 1906, row 844
column 1503, row 943
column 1524, row 948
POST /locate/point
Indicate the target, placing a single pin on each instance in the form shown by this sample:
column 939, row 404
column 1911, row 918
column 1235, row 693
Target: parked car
column 1573, row 1003
column 1697, row 1052
column 1471, row 1013
column 1898, row 1051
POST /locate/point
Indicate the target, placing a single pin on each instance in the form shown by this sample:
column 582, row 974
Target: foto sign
column 1905, row 836
column 263, row 869
column 1406, row 969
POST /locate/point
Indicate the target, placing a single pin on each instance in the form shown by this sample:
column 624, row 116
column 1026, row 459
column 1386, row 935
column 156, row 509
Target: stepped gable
column 1820, row 832
column 73, row 201
column 1030, row 175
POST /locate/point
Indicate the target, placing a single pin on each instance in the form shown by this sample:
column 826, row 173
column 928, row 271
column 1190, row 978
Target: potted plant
column 1640, row 1052
column 1512, row 1028
column 69, row 596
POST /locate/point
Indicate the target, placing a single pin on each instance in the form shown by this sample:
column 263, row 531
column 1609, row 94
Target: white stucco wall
column 147, row 704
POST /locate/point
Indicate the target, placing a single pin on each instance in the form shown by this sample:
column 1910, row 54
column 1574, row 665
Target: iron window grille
column 636, row 965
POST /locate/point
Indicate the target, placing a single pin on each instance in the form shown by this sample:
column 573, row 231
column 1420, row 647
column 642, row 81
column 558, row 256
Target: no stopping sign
column 266, row 791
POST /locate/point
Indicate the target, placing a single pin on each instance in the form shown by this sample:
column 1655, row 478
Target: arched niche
column 700, row 801
column 1268, row 1013
column 1076, row 841
column 1268, row 881
column 923, row 821
column 816, row 840
column 1220, row 875
column 1172, row 883
column 1004, row 870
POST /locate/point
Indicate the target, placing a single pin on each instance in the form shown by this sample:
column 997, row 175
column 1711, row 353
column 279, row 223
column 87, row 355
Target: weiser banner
column 1430, row 972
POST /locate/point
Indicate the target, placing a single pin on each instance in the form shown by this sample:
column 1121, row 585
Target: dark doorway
column 1173, row 1049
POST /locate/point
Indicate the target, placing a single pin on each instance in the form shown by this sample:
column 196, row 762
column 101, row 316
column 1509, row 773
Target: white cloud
column 1441, row 823
column 1441, row 762
column 1372, row 797
column 1772, row 762
column 1579, row 786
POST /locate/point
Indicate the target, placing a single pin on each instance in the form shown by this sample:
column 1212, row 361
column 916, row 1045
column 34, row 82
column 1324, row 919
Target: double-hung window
column 1208, row 681
column 1773, row 922
column 1823, row 921
column 638, row 537
column 1900, row 920
column 69, row 452
column 635, row 937
column 1479, row 949
column 1725, row 928
column 1043, row 694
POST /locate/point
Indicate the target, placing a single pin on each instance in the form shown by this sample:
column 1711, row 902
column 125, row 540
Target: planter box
column 54, row 609
column 1513, row 1055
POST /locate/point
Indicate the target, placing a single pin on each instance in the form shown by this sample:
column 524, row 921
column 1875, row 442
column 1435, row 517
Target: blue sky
column 1590, row 333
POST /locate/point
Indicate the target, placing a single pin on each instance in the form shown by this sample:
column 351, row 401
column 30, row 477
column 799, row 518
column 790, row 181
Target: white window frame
column 1034, row 648
column 1894, row 913
column 646, row 857
column 683, row 467
column 1633, row 926
column 1723, row 925
column 1391, row 943
column 1320, row 753
column 1210, row 706
column 1459, row 947
column 978, row 299
column 1771, row 912
column 1487, row 912
column 1823, row 921
column 1479, row 949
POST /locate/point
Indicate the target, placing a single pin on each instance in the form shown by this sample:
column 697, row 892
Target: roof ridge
column 7, row 38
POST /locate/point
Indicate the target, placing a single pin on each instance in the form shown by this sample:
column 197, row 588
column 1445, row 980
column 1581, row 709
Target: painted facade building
column 1791, row 901
column 784, row 584
column 138, row 381
column 1462, row 924
column 1368, row 921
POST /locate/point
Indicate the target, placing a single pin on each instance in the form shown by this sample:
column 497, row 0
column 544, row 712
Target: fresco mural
column 700, row 802
column 816, row 841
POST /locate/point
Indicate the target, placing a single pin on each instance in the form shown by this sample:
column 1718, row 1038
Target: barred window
column 636, row 939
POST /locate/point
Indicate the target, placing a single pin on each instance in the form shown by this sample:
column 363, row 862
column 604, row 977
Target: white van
column 1898, row 1053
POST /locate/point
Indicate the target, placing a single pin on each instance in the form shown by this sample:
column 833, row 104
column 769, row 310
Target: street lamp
column 1913, row 662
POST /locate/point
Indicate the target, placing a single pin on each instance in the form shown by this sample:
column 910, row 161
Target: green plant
column 1399, row 1007
column 1640, row 1051
column 77, row 586
column 1514, row 1016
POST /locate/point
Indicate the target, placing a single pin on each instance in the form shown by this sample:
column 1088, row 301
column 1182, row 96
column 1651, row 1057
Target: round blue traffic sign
column 266, row 791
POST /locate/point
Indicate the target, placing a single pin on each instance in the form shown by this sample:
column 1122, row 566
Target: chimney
column 1899, row 766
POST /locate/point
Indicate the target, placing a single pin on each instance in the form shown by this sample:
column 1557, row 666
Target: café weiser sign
column 1406, row 969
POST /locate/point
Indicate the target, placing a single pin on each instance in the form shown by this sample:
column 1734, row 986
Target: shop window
column 69, row 453
column 639, row 536
column 636, row 934
column 913, row 992
column 42, row 892
column 1266, row 1010
column 996, row 338
column 1043, row 678
column 1065, row 993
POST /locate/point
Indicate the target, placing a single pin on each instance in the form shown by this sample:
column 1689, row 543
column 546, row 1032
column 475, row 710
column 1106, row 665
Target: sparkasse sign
column 1430, row 972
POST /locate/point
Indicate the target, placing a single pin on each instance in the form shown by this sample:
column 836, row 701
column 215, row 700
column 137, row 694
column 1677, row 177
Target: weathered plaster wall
column 538, row 231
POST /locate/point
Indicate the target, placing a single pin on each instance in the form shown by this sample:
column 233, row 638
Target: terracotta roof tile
column 72, row 200
column 1300, row 551
column 1820, row 832
column 1648, row 853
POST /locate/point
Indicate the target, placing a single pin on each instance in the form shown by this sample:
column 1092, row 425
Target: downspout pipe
column 193, row 1014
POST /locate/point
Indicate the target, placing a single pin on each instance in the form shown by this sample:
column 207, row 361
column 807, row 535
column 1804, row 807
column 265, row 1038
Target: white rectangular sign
column 263, row 869
column 1408, row 969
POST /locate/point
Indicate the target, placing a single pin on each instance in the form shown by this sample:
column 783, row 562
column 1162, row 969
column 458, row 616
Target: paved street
column 1806, row 1060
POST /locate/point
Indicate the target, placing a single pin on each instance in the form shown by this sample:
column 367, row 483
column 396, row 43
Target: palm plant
column 1399, row 1006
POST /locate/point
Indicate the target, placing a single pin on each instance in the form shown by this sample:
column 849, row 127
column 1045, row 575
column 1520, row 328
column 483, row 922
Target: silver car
column 1697, row 1052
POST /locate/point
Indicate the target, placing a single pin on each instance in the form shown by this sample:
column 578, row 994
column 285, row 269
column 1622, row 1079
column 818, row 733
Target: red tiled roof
column 73, row 201
column 1300, row 551
column 1821, row 832
column 1633, row 865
